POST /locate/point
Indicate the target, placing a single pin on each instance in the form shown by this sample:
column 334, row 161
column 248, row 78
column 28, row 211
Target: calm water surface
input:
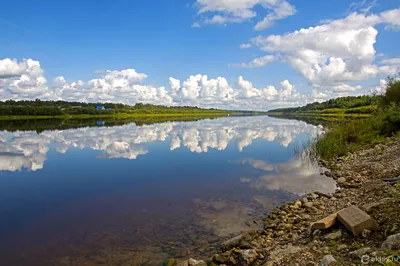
column 113, row 194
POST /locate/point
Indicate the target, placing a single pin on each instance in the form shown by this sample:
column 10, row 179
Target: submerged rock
column 230, row 243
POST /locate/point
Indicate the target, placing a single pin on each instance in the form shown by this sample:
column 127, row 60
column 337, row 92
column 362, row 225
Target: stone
column 298, row 203
column 328, row 174
column 341, row 247
column 182, row 263
column 327, row 259
column 326, row 222
column 356, row 254
column 288, row 226
column 392, row 242
column 355, row 220
column 341, row 180
column 368, row 206
column 193, row 262
column 366, row 233
column 312, row 196
column 230, row 243
column 334, row 236
column 249, row 255
column 170, row 262
column 278, row 253
column 221, row 258
column 308, row 204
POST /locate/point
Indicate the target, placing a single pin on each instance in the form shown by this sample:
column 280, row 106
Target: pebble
column 366, row 233
column 327, row 259
column 334, row 236
column 193, row 262
column 308, row 204
column 341, row 247
column 249, row 255
column 341, row 180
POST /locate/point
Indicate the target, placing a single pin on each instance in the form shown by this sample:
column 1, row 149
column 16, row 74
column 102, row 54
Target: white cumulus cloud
column 228, row 11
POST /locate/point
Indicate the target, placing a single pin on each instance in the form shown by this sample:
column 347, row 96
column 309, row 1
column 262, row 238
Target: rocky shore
column 364, row 180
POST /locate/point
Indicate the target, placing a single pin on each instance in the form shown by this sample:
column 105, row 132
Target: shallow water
column 112, row 193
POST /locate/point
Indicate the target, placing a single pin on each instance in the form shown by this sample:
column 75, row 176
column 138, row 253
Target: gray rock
column 278, row 253
column 359, row 252
column 341, row 180
column 193, row 262
column 341, row 247
column 327, row 259
column 392, row 242
column 230, row 243
column 335, row 235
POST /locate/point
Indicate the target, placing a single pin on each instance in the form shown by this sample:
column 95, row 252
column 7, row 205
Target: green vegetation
column 61, row 109
column 344, row 106
column 352, row 135
column 37, row 109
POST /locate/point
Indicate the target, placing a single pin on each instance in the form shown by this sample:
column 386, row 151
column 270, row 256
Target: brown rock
column 326, row 222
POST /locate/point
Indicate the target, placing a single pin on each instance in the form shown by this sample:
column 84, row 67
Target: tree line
column 57, row 108
column 341, row 103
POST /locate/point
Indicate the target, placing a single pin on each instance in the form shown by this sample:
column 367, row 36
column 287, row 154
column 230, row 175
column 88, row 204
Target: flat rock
column 326, row 222
column 356, row 220
column 334, row 236
column 279, row 253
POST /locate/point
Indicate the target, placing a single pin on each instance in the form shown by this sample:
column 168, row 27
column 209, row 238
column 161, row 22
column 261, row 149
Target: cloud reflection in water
column 28, row 150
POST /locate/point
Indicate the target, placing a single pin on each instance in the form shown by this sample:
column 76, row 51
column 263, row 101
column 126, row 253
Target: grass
column 321, row 114
column 352, row 135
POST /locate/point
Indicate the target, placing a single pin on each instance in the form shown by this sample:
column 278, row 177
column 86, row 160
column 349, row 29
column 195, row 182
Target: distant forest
column 365, row 104
column 59, row 108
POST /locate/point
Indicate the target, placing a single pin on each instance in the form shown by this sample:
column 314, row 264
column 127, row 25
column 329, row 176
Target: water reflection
column 28, row 149
column 142, row 193
column 293, row 176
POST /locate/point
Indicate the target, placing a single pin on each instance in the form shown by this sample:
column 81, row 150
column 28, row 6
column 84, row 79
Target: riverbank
column 122, row 115
column 315, row 114
column 287, row 238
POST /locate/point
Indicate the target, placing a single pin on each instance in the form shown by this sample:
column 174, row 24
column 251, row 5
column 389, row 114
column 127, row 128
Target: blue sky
column 77, row 39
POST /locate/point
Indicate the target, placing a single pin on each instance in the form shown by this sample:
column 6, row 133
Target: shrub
column 392, row 94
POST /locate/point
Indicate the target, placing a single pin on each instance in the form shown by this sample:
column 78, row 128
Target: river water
column 109, row 193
